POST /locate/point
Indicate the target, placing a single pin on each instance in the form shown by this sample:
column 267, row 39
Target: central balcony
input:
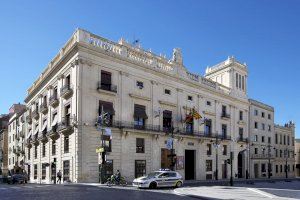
column 53, row 101
column 106, row 87
column 35, row 114
column 44, row 108
column 66, row 91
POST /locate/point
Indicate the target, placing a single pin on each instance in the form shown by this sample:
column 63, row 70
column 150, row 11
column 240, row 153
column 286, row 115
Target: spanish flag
column 196, row 115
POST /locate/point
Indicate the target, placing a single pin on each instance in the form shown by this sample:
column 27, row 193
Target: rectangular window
column 280, row 168
column 35, row 171
column 224, row 113
column 262, row 114
column 255, row 125
column 224, row 150
column 276, row 152
column 44, row 149
column 53, row 147
column 276, row 168
column 140, row 84
column 243, row 83
column 280, row 141
column 269, row 116
column 66, row 144
column 269, row 128
column 288, row 140
column 241, row 115
column 241, row 133
column 208, row 103
column 236, row 80
column 109, row 167
column 190, row 98
column 167, row 120
column 263, row 126
column 167, row 91
column 140, row 145
column 66, row 170
column 255, row 138
column 28, row 153
column 139, row 116
column 269, row 140
column 224, row 130
column 105, row 80
column 208, row 165
column 140, row 168
column 262, row 138
column 263, row 167
column 208, row 150
column 240, row 81
column 208, row 127
column 284, row 139
column 43, row 171
column 255, row 151
column 255, row 112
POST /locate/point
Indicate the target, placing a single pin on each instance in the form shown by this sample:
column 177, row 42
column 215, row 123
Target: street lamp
column 172, row 155
column 216, row 144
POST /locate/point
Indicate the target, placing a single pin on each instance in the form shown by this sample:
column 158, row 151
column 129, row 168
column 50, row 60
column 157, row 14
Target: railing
column 66, row 89
column 225, row 115
column 44, row 107
column 35, row 114
column 242, row 139
column 29, row 118
column 107, row 87
column 208, row 82
column 64, row 124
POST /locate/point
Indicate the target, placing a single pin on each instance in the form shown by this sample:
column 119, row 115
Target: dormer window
column 140, row 84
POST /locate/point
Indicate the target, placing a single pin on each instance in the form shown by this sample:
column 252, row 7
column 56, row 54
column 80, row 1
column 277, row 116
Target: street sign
column 99, row 149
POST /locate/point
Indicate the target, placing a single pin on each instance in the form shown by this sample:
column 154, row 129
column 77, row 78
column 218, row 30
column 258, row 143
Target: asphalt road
column 73, row 192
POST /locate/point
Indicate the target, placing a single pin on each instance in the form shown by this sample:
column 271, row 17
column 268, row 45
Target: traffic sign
column 99, row 149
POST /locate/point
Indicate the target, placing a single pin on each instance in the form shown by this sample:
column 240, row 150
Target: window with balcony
column 224, row 130
column 263, row 126
column 189, row 126
column 105, row 80
column 140, row 116
column 108, row 111
column 167, row 120
column 208, row 127
column 140, row 145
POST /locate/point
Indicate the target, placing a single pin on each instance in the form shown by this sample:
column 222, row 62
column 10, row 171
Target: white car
column 160, row 178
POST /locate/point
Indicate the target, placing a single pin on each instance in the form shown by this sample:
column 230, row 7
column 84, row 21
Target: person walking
column 59, row 175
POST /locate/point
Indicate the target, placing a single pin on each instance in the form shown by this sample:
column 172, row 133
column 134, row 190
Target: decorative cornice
column 139, row 97
column 167, row 103
column 209, row 113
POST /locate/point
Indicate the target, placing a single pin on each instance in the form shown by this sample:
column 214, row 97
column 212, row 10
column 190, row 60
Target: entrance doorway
column 256, row 170
column 190, row 164
column 241, row 165
column 165, row 159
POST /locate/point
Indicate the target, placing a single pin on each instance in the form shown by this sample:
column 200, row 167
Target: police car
column 160, row 178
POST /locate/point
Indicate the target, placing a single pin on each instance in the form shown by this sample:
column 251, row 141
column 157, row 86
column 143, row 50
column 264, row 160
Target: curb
column 194, row 196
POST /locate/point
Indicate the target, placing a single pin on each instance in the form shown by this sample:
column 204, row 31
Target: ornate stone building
column 146, row 97
column 3, row 144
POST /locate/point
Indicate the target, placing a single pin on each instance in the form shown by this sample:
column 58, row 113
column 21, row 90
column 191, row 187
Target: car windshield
column 153, row 174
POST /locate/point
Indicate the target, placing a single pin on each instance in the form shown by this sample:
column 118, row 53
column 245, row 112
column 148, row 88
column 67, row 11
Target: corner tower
column 230, row 73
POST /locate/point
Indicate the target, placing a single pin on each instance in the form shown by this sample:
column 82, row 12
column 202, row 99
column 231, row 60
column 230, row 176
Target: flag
column 196, row 115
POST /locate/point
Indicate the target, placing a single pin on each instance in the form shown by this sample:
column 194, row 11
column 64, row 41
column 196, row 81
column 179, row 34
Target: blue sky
column 262, row 33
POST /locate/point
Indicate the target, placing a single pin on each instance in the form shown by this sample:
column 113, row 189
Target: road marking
column 262, row 193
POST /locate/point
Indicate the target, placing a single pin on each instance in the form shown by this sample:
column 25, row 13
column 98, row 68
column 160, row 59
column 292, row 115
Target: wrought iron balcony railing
column 107, row 87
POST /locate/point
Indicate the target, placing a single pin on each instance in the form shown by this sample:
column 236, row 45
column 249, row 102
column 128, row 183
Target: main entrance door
column 240, row 165
column 189, row 170
column 256, row 170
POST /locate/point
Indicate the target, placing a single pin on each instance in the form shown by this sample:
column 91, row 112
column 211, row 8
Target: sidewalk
column 226, row 192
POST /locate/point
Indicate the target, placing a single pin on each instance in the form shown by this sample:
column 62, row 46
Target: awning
column 167, row 114
column 107, row 107
column 140, row 111
column 55, row 119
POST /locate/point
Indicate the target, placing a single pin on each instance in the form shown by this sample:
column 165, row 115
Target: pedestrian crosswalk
column 4, row 187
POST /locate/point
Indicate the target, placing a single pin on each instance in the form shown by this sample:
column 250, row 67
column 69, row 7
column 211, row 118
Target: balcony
column 35, row 114
column 65, row 126
column 29, row 119
column 22, row 119
column 224, row 115
column 35, row 140
column 44, row 108
column 106, row 87
column 66, row 91
column 53, row 101
column 28, row 143
column 43, row 136
column 224, row 137
column 52, row 133
column 241, row 139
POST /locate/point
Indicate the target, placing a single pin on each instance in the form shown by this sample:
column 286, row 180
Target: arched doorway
column 241, row 164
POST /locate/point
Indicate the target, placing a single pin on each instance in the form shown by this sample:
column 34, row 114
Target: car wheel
column 178, row 184
column 152, row 185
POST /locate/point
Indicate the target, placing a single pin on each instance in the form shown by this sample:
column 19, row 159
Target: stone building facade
column 145, row 98
column 145, row 95
column 297, row 156
column 3, row 144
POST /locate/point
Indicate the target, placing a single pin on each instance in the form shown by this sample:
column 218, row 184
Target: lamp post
column 172, row 155
column 216, row 145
